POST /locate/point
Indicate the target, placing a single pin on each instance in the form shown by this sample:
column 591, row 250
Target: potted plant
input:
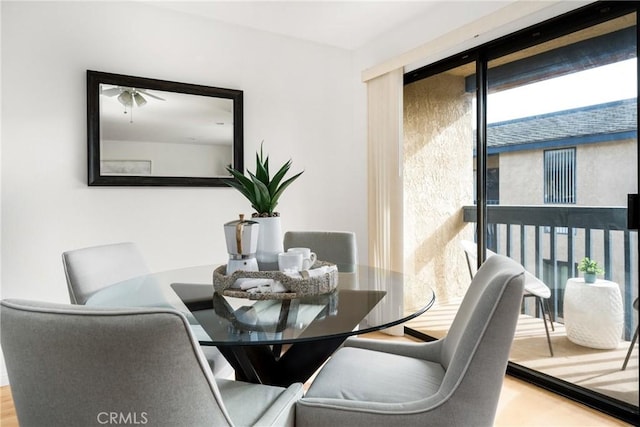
column 590, row 269
column 263, row 192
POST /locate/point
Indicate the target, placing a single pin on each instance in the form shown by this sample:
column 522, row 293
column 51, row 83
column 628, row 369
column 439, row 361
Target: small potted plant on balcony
column 590, row 269
column 263, row 192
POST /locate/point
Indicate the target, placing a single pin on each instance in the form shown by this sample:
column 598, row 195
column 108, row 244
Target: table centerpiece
column 263, row 192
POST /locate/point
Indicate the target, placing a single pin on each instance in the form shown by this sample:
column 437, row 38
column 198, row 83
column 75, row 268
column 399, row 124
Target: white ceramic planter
column 269, row 242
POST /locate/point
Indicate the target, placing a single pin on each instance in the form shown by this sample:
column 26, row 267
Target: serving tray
column 318, row 285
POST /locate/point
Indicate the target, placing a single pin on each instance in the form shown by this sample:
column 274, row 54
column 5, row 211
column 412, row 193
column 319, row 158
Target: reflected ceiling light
column 140, row 101
column 125, row 98
column 127, row 95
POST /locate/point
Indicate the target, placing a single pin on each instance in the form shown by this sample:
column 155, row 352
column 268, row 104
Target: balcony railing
column 544, row 238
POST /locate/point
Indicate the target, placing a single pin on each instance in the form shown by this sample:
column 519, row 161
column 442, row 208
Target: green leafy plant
column 262, row 191
column 589, row 266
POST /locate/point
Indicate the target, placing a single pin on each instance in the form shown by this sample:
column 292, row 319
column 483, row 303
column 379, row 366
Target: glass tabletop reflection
column 366, row 299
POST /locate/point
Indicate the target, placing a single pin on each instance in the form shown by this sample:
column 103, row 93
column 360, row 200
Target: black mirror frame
column 95, row 78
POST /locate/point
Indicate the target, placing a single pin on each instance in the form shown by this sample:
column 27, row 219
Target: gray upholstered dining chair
column 338, row 247
column 91, row 269
column 454, row 381
column 72, row 365
column 533, row 287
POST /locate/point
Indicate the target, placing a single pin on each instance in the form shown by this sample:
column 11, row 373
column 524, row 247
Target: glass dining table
column 277, row 341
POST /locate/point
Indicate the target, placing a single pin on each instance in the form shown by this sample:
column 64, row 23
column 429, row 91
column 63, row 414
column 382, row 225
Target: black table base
column 259, row 364
column 276, row 353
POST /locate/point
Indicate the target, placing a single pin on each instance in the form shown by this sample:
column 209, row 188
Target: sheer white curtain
column 384, row 103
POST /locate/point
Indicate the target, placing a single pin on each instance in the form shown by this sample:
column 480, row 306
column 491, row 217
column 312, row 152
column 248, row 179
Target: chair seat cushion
column 373, row 376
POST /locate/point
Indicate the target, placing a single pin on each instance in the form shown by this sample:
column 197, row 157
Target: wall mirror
column 154, row 132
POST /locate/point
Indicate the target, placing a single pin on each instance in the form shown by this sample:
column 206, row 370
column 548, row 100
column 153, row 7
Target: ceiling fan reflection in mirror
column 127, row 95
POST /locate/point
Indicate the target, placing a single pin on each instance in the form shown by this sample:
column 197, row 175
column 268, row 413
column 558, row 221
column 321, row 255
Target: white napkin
column 248, row 283
column 263, row 286
column 314, row 272
column 274, row 286
column 258, row 285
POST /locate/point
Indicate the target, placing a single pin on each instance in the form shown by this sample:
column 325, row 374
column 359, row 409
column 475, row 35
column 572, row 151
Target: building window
column 493, row 186
column 560, row 176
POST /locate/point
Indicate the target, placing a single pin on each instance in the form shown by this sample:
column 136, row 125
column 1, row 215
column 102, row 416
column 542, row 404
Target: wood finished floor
column 598, row 370
column 521, row 404
column 524, row 405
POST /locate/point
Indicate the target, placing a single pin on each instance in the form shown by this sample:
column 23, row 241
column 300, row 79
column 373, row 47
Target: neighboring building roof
column 596, row 123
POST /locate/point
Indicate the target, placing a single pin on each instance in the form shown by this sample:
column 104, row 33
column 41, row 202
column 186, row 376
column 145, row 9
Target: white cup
column 290, row 261
column 308, row 257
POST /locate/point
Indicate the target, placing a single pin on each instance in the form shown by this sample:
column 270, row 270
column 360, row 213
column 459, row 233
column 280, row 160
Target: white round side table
column 593, row 313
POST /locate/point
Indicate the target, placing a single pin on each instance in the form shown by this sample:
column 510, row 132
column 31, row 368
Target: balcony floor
column 598, row 370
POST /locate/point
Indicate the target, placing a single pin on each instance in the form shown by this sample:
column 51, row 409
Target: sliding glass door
column 528, row 148
column 562, row 128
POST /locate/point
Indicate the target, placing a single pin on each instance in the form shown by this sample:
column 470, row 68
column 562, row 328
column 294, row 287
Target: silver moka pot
column 242, row 244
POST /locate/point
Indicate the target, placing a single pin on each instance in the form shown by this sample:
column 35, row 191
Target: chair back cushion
column 90, row 269
column 338, row 247
column 78, row 366
column 476, row 349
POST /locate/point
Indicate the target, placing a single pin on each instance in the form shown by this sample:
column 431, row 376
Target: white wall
column 297, row 98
